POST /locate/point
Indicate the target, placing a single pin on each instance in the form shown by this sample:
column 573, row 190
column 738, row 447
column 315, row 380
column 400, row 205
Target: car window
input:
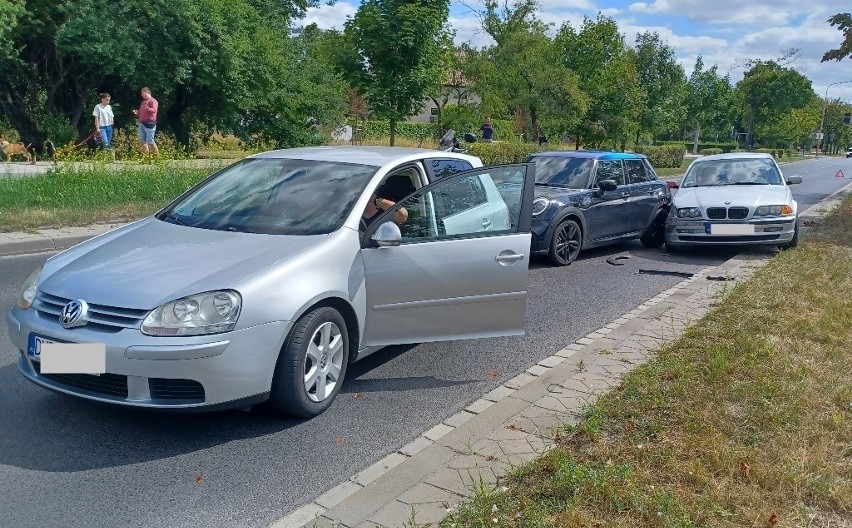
column 609, row 170
column 464, row 206
column 442, row 168
column 274, row 196
column 743, row 171
column 562, row 171
column 636, row 172
column 652, row 174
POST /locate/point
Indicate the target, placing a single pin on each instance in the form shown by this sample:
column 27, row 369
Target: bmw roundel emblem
column 74, row 314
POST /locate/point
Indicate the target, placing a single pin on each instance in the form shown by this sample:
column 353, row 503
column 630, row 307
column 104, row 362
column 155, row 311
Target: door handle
column 511, row 257
column 486, row 223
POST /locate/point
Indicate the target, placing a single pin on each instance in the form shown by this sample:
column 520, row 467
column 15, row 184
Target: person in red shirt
column 147, row 118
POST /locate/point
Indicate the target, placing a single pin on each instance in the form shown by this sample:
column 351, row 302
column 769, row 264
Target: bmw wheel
column 312, row 364
column 794, row 241
column 566, row 243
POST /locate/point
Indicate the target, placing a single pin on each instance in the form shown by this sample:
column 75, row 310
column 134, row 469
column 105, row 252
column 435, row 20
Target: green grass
column 92, row 193
column 745, row 420
column 671, row 172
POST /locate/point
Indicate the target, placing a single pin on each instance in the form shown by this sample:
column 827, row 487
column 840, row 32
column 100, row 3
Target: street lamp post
column 824, row 108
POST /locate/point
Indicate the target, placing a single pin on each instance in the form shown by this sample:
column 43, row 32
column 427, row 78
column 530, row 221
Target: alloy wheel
column 323, row 362
column 567, row 242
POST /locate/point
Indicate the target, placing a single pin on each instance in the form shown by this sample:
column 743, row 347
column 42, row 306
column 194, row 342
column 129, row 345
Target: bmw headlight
column 29, row 290
column 689, row 212
column 206, row 313
column 540, row 205
column 773, row 210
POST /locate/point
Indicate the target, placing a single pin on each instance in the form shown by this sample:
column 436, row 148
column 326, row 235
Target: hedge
column 381, row 130
column 664, row 156
column 502, row 153
column 710, row 151
column 726, row 147
column 776, row 153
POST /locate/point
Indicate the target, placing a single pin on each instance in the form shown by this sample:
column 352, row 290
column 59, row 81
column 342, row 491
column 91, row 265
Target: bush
column 381, row 129
column 775, row 153
column 664, row 156
column 502, row 153
column 710, row 151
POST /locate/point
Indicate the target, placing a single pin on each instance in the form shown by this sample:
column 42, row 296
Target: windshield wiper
column 175, row 219
column 748, row 183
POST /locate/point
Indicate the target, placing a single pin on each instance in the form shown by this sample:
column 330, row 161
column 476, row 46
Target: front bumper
column 541, row 234
column 767, row 231
column 215, row 371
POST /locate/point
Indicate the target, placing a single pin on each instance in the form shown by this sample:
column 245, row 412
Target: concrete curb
column 513, row 424
column 50, row 239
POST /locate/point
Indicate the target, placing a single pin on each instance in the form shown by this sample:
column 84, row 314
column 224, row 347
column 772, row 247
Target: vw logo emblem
column 74, row 314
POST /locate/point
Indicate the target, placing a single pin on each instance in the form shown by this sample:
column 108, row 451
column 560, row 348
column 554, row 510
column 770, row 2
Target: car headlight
column 773, row 210
column 689, row 212
column 540, row 205
column 206, row 313
column 29, row 290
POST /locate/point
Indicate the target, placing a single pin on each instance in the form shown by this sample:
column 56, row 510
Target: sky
column 723, row 32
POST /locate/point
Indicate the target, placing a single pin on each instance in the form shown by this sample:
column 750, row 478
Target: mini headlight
column 29, row 290
column 689, row 212
column 206, row 313
column 540, row 205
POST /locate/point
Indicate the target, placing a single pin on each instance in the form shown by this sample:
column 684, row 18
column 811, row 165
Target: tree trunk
column 176, row 115
column 533, row 124
column 750, row 134
column 392, row 131
column 577, row 140
column 13, row 106
column 695, row 139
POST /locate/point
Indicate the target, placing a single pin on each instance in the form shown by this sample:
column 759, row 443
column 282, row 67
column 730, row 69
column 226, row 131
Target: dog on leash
column 8, row 149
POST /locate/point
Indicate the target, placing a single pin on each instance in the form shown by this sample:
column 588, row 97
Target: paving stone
column 575, row 346
column 392, row 515
column 337, row 494
column 379, row 468
column 539, row 421
column 459, row 418
column 520, row 380
column 565, row 353
column 551, row 361
column 585, row 341
column 324, row 522
column 498, row 394
column 418, row 444
column 426, row 494
column 479, row 405
column 537, row 370
column 555, row 403
column 464, row 481
column 300, row 516
column 438, row 431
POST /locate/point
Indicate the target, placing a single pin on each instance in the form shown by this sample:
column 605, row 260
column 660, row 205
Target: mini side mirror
column 607, row 185
column 387, row 235
column 794, row 180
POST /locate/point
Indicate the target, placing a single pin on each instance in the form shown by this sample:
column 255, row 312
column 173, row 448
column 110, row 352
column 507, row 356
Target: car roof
column 591, row 154
column 735, row 155
column 362, row 155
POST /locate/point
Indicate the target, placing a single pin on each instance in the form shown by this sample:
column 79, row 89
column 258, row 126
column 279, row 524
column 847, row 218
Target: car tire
column 794, row 241
column 315, row 355
column 565, row 243
column 655, row 235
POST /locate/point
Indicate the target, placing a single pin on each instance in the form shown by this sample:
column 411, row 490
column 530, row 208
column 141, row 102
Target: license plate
column 34, row 346
column 729, row 229
column 56, row 357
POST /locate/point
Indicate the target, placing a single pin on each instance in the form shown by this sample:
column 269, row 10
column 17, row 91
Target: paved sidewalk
column 17, row 243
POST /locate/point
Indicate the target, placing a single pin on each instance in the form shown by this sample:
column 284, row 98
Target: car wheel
column 655, row 235
column 566, row 243
column 312, row 364
column 794, row 241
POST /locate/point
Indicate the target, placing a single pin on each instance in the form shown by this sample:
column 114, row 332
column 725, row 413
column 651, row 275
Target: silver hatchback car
column 267, row 279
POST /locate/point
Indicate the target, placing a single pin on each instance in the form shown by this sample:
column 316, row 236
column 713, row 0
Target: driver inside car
column 395, row 188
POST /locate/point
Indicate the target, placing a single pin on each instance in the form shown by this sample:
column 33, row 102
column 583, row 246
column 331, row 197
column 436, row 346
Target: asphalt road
column 67, row 462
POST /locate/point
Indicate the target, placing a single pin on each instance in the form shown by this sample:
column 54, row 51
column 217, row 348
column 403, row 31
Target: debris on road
column 614, row 260
column 684, row 274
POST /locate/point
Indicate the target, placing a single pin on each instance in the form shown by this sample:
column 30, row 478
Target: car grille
column 187, row 391
column 107, row 384
column 720, row 213
column 737, row 213
column 728, row 239
column 108, row 318
column 716, row 213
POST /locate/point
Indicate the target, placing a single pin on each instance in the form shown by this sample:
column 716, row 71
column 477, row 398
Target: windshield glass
column 562, row 171
column 274, row 196
column 753, row 171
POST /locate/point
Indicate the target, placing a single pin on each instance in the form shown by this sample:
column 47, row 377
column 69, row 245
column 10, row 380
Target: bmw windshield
column 562, row 171
column 274, row 196
column 746, row 171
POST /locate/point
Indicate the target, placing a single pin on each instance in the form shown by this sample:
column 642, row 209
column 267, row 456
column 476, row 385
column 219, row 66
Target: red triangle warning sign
column 839, row 174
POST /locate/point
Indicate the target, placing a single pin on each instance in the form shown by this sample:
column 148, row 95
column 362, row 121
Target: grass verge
column 744, row 421
column 91, row 193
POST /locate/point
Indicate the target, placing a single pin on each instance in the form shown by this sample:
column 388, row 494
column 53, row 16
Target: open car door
column 457, row 268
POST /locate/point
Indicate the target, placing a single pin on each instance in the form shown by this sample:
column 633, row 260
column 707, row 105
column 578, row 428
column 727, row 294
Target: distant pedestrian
column 147, row 118
column 487, row 130
column 104, row 120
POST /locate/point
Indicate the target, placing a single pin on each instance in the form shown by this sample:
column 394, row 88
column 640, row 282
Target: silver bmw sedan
column 266, row 280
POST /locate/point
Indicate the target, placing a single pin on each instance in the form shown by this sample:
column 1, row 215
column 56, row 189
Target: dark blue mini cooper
column 589, row 198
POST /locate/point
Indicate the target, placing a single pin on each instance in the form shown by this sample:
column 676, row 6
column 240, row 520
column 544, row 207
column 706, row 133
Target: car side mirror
column 673, row 184
column 607, row 185
column 387, row 235
column 794, row 180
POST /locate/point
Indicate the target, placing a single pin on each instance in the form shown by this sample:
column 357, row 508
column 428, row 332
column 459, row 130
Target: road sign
column 839, row 174
column 818, row 135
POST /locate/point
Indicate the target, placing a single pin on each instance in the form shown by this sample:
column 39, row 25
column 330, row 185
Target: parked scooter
column 450, row 143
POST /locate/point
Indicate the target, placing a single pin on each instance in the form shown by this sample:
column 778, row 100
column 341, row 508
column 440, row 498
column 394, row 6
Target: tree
column 843, row 21
column 394, row 54
column 708, row 99
column 598, row 55
column 663, row 82
column 797, row 125
column 523, row 73
column 768, row 91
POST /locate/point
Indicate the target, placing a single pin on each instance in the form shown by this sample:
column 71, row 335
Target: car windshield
column 274, row 196
column 562, row 171
column 744, row 171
